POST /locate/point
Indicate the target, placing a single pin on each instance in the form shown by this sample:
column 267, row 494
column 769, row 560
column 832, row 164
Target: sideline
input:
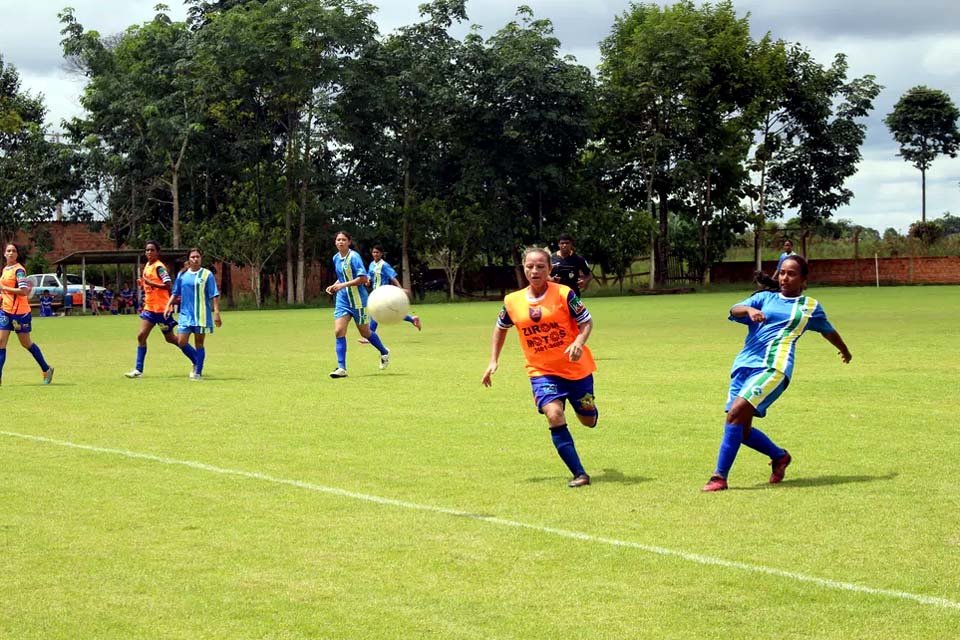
column 563, row 533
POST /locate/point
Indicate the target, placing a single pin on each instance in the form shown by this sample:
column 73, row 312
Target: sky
column 903, row 43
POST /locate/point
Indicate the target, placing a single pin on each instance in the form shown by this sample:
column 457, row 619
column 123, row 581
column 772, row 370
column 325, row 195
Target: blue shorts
column 167, row 323
column 759, row 387
column 193, row 328
column 578, row 392
column 359, row 315
column 16, row 322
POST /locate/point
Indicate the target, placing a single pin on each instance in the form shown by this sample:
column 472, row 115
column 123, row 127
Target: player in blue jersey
column 46, row 304
column 380, row 273
column 350, row 290
column 126, row 299
column 195, row 290
column 763, row 368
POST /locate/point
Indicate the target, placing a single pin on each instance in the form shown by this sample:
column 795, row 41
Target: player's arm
column 744, row 311
column 496, row 346
column 833, row 337
column 215, row 301
column 575, row 349
column 586, row 276
column 356, row 282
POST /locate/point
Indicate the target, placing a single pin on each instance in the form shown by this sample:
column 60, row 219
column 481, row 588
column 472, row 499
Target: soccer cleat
column 716, row 483
column 363, row 341
column 195, row 376
column 136, row 373
column 48, row 376
column 779, row 468
column 581, row 480
column 339, row 372
column 416, row 322
column 384, row 361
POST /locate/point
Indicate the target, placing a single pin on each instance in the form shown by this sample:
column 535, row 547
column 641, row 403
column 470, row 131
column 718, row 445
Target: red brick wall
column 905, row 270
column 69, row 237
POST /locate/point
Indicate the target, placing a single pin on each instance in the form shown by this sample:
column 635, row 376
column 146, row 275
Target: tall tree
column 924, row 123
column 141, row 98
column 37, row 172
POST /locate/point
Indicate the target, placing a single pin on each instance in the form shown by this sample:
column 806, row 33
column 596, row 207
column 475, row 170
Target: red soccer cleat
column 779, row 468
column 716, row 483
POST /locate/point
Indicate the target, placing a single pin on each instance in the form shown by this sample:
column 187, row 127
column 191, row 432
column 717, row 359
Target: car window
column 33, row 280
column 73, row 279
column 49, row 281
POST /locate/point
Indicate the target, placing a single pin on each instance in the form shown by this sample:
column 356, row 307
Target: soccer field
column 269, row 501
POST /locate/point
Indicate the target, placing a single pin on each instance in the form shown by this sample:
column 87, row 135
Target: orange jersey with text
column 547, row 326
column 14, row 276
column 155, row 298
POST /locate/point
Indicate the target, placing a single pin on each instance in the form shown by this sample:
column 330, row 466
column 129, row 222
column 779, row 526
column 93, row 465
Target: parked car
column 51, row 282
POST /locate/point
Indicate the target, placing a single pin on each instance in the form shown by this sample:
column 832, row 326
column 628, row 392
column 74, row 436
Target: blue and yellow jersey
column 347, row 269
column 547, row 326
column 380, row 273
column 771, row 345
column 196, row 289
column 15, row 277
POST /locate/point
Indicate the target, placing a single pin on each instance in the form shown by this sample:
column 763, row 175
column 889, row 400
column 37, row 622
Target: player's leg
column 146, row 326
column 373, row 338
column 4, row 338
column 198, row 339
column 582, row 400
column 168, row 327
column 23, row 335
column 551, row 404
column 341, row 319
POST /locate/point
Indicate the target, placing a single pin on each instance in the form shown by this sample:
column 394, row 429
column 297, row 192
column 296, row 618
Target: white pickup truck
column 51, row 282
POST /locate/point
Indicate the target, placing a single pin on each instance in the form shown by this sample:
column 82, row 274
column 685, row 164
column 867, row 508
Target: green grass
column 102, row 542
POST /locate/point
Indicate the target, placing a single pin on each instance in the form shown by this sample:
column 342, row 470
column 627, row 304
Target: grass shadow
column 608, row 475
column 821, row 481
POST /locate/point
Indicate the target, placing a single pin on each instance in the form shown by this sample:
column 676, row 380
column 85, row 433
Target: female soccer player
column 762, row 370
column 351, row 292
column 196, row 291
column 15, row 311
column 380, row 273
column 156, row 283
column 553, row 326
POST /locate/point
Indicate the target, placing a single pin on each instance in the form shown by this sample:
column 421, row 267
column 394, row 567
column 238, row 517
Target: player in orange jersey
column 156, row 283
column 15, row 311
column 553, row 326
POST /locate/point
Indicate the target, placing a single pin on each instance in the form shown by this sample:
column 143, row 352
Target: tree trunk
column 405, row 234
column 663, row 243
column 923, row 189
column 292, row 173
column 302, row 227
column 175, row 192
column 255, row 283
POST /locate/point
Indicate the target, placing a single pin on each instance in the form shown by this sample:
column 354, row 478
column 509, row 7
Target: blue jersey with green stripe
column 380, row 273
column 196, row 289
column 347, row 269
column 771, row 345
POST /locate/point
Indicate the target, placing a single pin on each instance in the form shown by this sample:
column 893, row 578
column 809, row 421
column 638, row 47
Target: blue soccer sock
column 408, row 318
column 38, row 356
column 758, row 440
column 373, row 325
column 3, row 359
column 342, row 352
column 141, row 356
column 190, row 352
column 563, row 441
column 732, row 439
column 200, row 357
column 378, row 343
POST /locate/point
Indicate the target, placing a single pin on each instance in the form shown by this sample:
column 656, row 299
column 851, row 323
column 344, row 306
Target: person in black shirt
column 569, row 268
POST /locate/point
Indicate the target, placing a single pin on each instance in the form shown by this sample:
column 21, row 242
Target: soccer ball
column 388, row 304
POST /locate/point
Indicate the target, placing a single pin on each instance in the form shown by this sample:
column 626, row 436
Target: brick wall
column 863, row 271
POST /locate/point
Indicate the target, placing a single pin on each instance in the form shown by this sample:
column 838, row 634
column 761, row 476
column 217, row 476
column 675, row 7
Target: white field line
column 563, row 533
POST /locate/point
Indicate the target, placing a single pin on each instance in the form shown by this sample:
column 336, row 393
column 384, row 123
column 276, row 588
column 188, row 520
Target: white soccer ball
column 388, row 304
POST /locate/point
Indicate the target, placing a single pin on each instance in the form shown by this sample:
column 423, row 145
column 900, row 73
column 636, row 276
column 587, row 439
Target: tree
column 924, row 123
column 142, row 100
column 37, row 173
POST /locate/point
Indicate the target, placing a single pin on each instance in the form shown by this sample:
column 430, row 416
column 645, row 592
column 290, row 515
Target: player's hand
column 216, row 319
column 574, row 352
column 756, row 315
column 332, row 289
column 487, row 379
column 845, row 356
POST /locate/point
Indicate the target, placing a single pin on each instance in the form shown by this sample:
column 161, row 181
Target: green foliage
column 924, row 123
column 927, row 232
